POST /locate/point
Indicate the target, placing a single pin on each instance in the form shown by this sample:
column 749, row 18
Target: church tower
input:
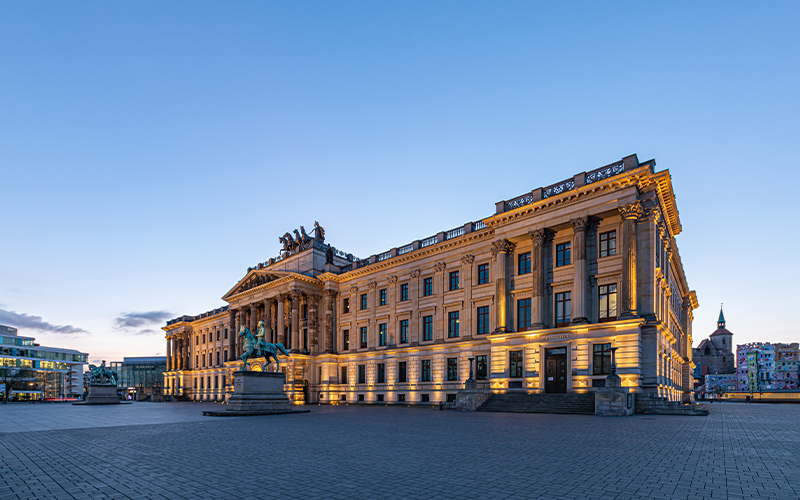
column 722, row 338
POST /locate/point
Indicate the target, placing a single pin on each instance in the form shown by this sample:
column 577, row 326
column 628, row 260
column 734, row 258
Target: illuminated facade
column 49, row 372
column 537, row 294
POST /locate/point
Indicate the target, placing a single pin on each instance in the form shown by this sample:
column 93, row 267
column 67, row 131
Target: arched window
column 708, row 351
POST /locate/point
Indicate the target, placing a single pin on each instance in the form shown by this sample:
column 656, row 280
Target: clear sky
column 151, row 151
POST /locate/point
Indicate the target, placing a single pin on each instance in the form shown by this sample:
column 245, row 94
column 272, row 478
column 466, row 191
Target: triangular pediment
column 256, row 278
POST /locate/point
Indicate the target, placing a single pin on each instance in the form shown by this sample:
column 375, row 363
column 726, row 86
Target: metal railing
column 454, row 233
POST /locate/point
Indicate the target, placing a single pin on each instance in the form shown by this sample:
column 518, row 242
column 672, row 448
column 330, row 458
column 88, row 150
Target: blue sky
column 149, row 153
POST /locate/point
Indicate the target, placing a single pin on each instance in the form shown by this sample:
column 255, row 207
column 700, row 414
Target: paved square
column 169, row 451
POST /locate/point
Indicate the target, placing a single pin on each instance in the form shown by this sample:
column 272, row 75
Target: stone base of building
column 470, row 398
column 102, row 395
column 257, row 393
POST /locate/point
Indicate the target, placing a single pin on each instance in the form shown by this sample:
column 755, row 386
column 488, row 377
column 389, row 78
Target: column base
column 579, row 321
column 538, row 326
column 500, row 329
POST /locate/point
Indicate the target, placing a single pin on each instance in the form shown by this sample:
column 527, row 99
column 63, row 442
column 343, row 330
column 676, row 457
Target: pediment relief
column 256, row 278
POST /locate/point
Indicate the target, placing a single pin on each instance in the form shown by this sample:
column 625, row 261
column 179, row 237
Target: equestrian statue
column 257, row 347
column 102, row 375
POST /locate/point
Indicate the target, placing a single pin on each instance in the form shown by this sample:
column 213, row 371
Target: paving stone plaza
column 170, row 451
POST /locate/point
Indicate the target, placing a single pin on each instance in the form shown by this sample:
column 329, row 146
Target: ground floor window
column 481, row 367
column 425, row 370
column 452, row 369
column 402, row 372
column 601, row 359
column 362, row 374
column 401, row 397
column 344, row 375
column 380, row 397
column 515, row 363
column 451, row 398
column 361, row 397
column 425, row 398
column 381, row 375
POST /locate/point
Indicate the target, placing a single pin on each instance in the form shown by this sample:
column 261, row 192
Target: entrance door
column 555, row 374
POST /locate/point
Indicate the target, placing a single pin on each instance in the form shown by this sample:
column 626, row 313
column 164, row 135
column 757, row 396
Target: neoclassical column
column 500, row 250
column 579, row 227
column 313, row 323
column 466, row 283
column 169, row 357
column 281, row 319
column 539, row 237
column 268, row 320
column 253, row 318
column 295, row 320
column 330, row 301
column 231, row 334
column 630, row 215
column 413, row 292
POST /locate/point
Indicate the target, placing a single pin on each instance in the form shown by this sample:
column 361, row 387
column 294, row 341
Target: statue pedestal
column 257, row 393
column 101, row 395
column 613, row 400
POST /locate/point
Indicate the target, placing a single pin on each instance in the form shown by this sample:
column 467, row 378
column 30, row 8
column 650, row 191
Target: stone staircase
column 520, row 402
column 654, row 405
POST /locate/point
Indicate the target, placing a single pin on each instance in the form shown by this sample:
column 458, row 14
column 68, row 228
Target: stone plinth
column 101, row 395
column 613, row 400
column 257, row 393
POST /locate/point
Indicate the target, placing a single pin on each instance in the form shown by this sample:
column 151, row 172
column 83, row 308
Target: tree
column 12, row 377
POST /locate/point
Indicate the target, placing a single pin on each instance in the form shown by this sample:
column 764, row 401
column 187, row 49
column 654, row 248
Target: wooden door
column 556, row 370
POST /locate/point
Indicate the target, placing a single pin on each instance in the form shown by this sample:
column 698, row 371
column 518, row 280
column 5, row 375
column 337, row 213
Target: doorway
column 555, row 375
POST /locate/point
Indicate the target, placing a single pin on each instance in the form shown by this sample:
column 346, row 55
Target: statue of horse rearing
column 258, row 348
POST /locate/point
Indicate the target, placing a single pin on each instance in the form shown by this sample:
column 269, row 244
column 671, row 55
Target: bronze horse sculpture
column 257, row 347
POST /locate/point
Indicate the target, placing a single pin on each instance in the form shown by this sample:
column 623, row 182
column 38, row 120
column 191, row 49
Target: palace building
column 530, row 299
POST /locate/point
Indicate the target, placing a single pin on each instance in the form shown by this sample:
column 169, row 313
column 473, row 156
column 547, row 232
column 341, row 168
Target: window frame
column 562, row 299
column 383, row 297
column 346, row 305
column 516, row 364
column 403, row 292
column 383, row 334
column 402, row 372
column 364, row 304
column 364, row 340
column 482, row 317
column 427, row 328
column 453, row 320
column 425, row 370
column 524, row 263
column 453, row 280
column 604, row 367
column 362, row 374
column 482, row 367
column 452, row 369
column 344, row 374
column 403, row 327
column 427, row 287
column 563, row 254
column 346, row 340
column 523, row 309
column 605, row 308
column 610, row 250
column 483, row 274
column 380, row 373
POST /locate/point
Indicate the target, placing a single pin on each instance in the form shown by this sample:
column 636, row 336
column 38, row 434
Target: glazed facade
column 532, row 298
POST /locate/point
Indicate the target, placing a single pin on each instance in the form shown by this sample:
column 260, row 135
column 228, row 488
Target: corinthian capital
column 353, row 290
column 372, row 285
column 439, row 267
column 541, row 235
column 392, row 279
column 415, row 274
column 467, row 260
column 502, row 246
column 631, row 210
column 331, row 293
column 580, row 224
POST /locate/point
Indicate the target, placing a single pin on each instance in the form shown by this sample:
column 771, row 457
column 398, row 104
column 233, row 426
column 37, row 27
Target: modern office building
column 140, row 377
column 48, row 372
column 532, row 298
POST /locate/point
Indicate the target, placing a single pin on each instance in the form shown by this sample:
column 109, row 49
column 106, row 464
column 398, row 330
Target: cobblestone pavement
column 739, row 451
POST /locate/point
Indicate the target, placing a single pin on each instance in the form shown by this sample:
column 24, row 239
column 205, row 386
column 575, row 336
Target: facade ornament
column 372, row 285
column 314, row 299
column 392, row 279
column 502, row 246
column 439, row 267
column 353, row 290
column 295, row 294
column 540, row 235
column 331, row 293
column 415, row 274
column 319, row 232
column 631, row 210
column 467, row 260
column 580, row 224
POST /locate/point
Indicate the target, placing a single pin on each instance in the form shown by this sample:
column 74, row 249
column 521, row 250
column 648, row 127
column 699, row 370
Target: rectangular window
column 523, row 314
column 563, row 254
column 452, row 324
column 345, row 306
column 226, row 333
column 608, row 243
column 403, row 331
column 427, row 287
column 425, row 370
column 363, row 337
column 481, row 367
column 217, row 358
column 425, row 398
column 563, row 308
column 402, row 373
column 345, row 340
column 344, row 375
column 401, row 398
column 483, row 274
column 601, row 359
column 524, row 263
column 454, row 280
column 204, row 338
column 382, row 334
column 224, row 357
column 362, row 374
column 608, row 302
column 382, row 297
column 217, row 334
column 363, row 301
column 452, row 369
column 381, row 374
column 403, row 292
column 223, row 381
column 515, row 364
column 380, row 397
column 483, row 320
column 427, row 328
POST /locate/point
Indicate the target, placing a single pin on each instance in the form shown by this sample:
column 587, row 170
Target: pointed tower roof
column 721, row 325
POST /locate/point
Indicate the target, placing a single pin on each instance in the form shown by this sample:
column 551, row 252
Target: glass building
column 140, row 377
column 29, row 371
